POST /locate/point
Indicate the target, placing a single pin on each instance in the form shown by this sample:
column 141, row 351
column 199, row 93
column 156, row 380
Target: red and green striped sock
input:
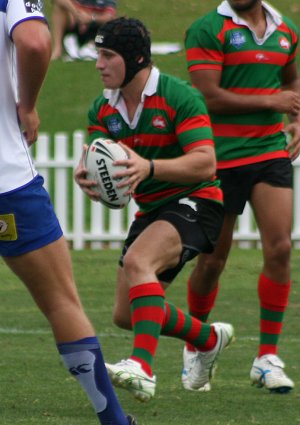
column 147, row 315
column 273, row 302
column 200, row 305
column 180, row 325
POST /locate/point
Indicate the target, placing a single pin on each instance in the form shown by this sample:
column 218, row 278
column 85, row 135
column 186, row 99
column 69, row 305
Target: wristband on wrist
column 151, row 172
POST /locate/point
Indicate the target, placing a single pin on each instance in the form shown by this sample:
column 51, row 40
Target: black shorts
column 84, row 37
column 237, row 183
column 198, row 222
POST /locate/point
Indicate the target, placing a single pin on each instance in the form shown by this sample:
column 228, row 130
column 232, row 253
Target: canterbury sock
column 83, row 359
column 147, row 314
column 200, row 305
column 180, row 325
column 273, row 302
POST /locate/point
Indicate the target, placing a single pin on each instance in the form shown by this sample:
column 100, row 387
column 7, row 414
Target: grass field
column 36, row 389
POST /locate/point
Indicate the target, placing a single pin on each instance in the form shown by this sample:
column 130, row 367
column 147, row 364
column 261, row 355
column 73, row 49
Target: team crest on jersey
column 284, row 43
column 32, row 6
column 114, row 126
column 237, row 39
column 159, row 122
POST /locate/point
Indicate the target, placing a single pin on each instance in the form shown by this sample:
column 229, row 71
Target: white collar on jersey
column 116, row 100
column 150, row 88
column 225, row 9
column 274, row 19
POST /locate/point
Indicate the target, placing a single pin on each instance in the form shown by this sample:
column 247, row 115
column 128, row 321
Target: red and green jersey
column 173, row 120
column 224, row 43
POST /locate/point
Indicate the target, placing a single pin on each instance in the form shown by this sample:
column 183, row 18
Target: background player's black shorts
column 85, row 36
column 198, row 222
column 237, row 183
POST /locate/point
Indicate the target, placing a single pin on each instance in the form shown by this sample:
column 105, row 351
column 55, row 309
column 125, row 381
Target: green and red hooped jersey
column 216, row 42
column 174, row 120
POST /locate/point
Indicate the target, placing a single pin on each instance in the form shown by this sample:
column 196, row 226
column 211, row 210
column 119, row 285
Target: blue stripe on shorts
column 34, row 216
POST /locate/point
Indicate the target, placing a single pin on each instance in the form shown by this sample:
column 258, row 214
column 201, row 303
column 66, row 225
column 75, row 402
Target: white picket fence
column 89, row 224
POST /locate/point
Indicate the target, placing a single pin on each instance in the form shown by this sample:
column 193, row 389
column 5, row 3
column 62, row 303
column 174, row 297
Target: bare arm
column 223, row 101
column 291, row 81
column 196, row 166
column 33, row 46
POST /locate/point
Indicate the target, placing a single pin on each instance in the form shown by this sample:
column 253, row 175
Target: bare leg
column 275, row 224
column 202, row 290
column 273, row 208
column 150, row 314
column 61, row 21
column 47, row 273
column 205, row 276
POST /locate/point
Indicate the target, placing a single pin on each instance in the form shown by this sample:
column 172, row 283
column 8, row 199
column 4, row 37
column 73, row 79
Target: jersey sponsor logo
column 114, row 125
column 284, row 43
column 261, row 57
column 32, row 6
column 237, row 39
column 159, row 122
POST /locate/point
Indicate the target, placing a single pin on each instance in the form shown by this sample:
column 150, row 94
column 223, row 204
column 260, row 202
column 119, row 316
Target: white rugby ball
column 99, row 163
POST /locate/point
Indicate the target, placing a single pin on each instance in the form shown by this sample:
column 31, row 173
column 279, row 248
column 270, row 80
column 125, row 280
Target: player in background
column 242, row 57
column 31, row 240
column 163, row 124
column 80, row 18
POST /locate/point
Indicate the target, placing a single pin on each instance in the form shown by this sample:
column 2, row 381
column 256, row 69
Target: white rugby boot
column 199, row 367
column 128, row 374
column 190, row 360
column 267, row 371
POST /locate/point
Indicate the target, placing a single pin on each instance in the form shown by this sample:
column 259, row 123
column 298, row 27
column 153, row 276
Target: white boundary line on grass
column 18, row 331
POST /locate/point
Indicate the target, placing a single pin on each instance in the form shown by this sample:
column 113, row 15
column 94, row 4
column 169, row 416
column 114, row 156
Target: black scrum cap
column 130, row 38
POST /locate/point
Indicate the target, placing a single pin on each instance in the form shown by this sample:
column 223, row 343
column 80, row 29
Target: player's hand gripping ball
column 99, row 163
